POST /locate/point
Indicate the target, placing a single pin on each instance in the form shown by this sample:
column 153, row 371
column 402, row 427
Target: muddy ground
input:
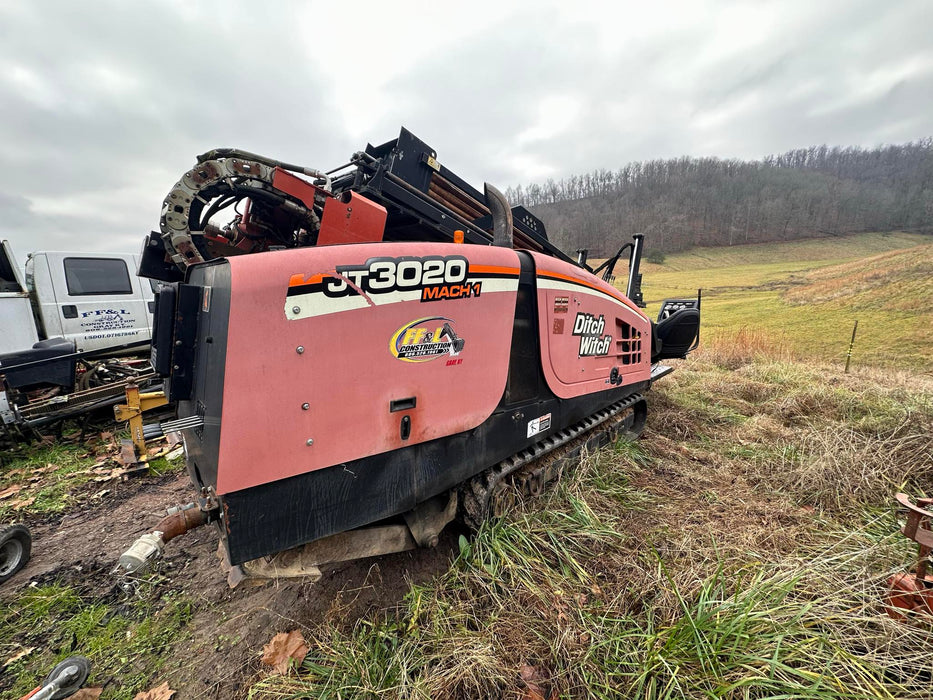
column 229, row 627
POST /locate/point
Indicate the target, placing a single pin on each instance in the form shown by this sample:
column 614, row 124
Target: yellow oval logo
column 426, row 339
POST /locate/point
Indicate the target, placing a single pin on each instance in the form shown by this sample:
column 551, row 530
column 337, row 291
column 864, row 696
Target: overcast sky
column 103, row 105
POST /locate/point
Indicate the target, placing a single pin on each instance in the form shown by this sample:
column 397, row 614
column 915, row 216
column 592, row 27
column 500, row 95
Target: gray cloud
column 105, row 104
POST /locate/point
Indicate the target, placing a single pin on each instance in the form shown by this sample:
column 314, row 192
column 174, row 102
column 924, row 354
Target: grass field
column 801, row 299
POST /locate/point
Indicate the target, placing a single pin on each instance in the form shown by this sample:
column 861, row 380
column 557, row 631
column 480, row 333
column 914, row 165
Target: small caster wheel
column 15, row 548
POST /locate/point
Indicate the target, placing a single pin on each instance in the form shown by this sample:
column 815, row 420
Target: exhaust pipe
column 633, row 288
column 501, row 216
column 148, row 548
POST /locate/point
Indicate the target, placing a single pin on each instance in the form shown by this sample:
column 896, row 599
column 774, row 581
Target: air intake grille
column 628, row 345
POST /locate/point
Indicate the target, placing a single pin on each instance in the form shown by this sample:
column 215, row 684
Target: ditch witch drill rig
column 360, row 358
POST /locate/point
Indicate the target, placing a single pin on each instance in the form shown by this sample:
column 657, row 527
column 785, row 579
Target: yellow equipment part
column 136, row 404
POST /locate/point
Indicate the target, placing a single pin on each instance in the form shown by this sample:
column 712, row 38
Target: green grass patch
column 811, row 250
column 127, row 641
column 515, row 598
column 49, row 475
column 801, row 299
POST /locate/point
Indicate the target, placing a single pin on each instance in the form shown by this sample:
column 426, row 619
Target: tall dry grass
column 735, row 348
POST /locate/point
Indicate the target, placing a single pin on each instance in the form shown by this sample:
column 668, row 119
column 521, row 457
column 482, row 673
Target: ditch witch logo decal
column 590, row 329
column 426, row 339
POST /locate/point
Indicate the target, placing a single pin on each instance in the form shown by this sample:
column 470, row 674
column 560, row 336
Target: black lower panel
column 282, row 514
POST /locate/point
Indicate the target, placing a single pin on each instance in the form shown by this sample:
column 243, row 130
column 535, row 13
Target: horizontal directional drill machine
column 358, row 357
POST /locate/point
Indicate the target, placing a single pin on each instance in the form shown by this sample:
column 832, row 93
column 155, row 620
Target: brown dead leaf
column 87, row 694
column 21, row 503
column 162, row 692
column 533, row 678
column 110, row 475
column 106, row 435
column 282, row 648
column 10, row 490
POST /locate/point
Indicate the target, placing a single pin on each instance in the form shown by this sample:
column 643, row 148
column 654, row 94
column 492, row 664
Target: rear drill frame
column 358, row 358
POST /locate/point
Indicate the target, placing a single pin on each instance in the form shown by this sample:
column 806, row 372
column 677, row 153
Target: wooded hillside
column 685, row 202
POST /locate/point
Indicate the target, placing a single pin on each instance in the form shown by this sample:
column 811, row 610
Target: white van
column 96, row 300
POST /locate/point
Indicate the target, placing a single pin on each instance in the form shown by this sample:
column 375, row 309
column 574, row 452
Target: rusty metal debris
column 912, row 593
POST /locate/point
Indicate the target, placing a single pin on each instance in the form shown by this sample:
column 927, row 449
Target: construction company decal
column 590, row 330
column 107, row 323
column 427, row 339
column 539, row 425
column 385, row 280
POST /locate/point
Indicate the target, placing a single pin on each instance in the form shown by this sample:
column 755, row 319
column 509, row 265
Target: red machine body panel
column 587, row 328
column 330, row 350
column 351, row 219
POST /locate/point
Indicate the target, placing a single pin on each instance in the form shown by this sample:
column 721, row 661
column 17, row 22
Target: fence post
column 851, row 343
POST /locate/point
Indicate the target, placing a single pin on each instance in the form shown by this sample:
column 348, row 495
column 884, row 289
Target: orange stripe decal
column 299, row 280
column 493, row 269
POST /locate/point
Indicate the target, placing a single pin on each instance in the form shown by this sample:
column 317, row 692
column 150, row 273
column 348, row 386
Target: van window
column 97, row 276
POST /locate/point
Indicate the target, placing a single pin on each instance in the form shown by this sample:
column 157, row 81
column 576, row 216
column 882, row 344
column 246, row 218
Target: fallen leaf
column 110, row 475
column 532, row 678
column 282, row 648
column 530, row 674
column 10, row 490
column 106, row 435
column 44, row 470
column 87, row 694
column 21, row 503
column 16, row 657
column 162, row 692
